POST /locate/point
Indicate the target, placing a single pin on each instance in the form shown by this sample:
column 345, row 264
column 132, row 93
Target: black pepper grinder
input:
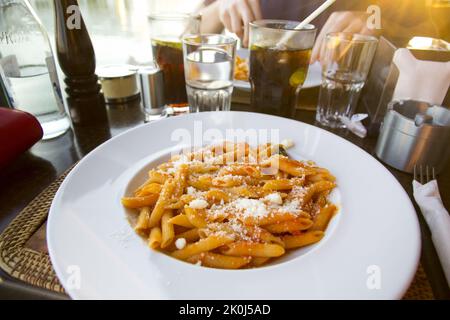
column 77, row 60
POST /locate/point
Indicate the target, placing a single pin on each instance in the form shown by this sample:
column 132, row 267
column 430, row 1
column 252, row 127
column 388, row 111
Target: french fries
column 241, row 69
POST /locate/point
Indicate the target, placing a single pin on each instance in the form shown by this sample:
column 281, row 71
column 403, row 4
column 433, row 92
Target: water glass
column 279, row 62
column 346, row 61
column 209, row 69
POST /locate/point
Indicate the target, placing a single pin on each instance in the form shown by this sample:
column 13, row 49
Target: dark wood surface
column 32, row 172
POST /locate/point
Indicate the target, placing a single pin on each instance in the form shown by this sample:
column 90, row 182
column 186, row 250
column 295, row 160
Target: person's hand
column 237, row 14
column 341, row 21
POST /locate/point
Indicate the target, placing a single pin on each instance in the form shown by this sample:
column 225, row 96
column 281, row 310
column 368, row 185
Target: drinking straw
column 307, row 20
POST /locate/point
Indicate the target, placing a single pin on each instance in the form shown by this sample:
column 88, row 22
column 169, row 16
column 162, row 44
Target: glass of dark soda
column 279, row 62
column 167, row 31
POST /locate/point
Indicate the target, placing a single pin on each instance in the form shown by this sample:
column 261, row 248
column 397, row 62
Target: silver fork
column 424, row 175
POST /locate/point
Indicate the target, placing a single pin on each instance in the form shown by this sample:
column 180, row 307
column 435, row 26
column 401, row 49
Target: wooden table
column 32, row 172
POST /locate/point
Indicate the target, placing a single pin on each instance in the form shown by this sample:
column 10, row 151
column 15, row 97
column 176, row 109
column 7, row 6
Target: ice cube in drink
column 276, row 76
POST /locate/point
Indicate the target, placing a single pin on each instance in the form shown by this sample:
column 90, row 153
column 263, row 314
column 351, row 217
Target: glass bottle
column 4, row 97
column 29, row 69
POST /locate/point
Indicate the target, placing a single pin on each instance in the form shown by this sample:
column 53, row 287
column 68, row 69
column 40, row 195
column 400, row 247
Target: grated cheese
column 191, row 191
column 291, row 206
column 194, row 192
column 198, row 204
column 184, row 159
column 251, row 207
column 287, row 143
column 274, row 198
column 180, row 243
column 239, row 229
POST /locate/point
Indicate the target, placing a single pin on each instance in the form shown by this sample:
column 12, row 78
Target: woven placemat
column 20, row 261
column 32, row 265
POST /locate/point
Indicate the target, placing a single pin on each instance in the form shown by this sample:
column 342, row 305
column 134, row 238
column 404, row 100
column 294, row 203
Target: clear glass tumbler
column 167, row 31
column 209, row 69
column 279, row 62
column 345, row 62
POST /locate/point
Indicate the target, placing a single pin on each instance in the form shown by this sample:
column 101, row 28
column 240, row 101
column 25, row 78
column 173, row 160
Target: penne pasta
column 240, row 170
column 143, row 219
column 292, row 167
column 162, row 202
column 202, row 168
column 232, row 206
column 227, row 181
column 181, row 220
column 302, row 240
column 321, row 176
column 248, row 191
column 175, row 205
column 155, row 238
column 267, row 237
column 167, row 230
column 253, row 249
column 203, row 245
column 149, row 189
column 139, row 202
column 195, row 217
column 317, row 188
column 190, row 235
column 217, row 196
column 271, row 218
column 203, row 183
column 258, row 261
column 279, row 184
column 180, row 181
column 323, row 218
column 157, row 176
column 214, row 260
column 289, row 226
column 267, row 151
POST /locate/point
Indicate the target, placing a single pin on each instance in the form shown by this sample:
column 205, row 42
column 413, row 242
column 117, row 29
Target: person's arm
column 234, row 15
column 341, row 21
column 210, row 19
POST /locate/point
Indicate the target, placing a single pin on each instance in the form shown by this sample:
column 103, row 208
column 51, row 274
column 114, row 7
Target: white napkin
column 430, row 203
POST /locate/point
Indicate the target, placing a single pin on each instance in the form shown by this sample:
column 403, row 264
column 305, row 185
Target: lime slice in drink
column 297, row 78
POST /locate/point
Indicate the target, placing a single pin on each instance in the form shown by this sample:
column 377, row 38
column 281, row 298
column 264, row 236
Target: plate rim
column 73, row 293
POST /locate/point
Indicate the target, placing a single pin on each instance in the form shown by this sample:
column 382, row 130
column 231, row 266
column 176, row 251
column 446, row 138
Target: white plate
column 370, row 251
column 313, row 79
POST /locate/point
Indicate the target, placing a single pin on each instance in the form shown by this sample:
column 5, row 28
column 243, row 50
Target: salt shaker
column 151, row 81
